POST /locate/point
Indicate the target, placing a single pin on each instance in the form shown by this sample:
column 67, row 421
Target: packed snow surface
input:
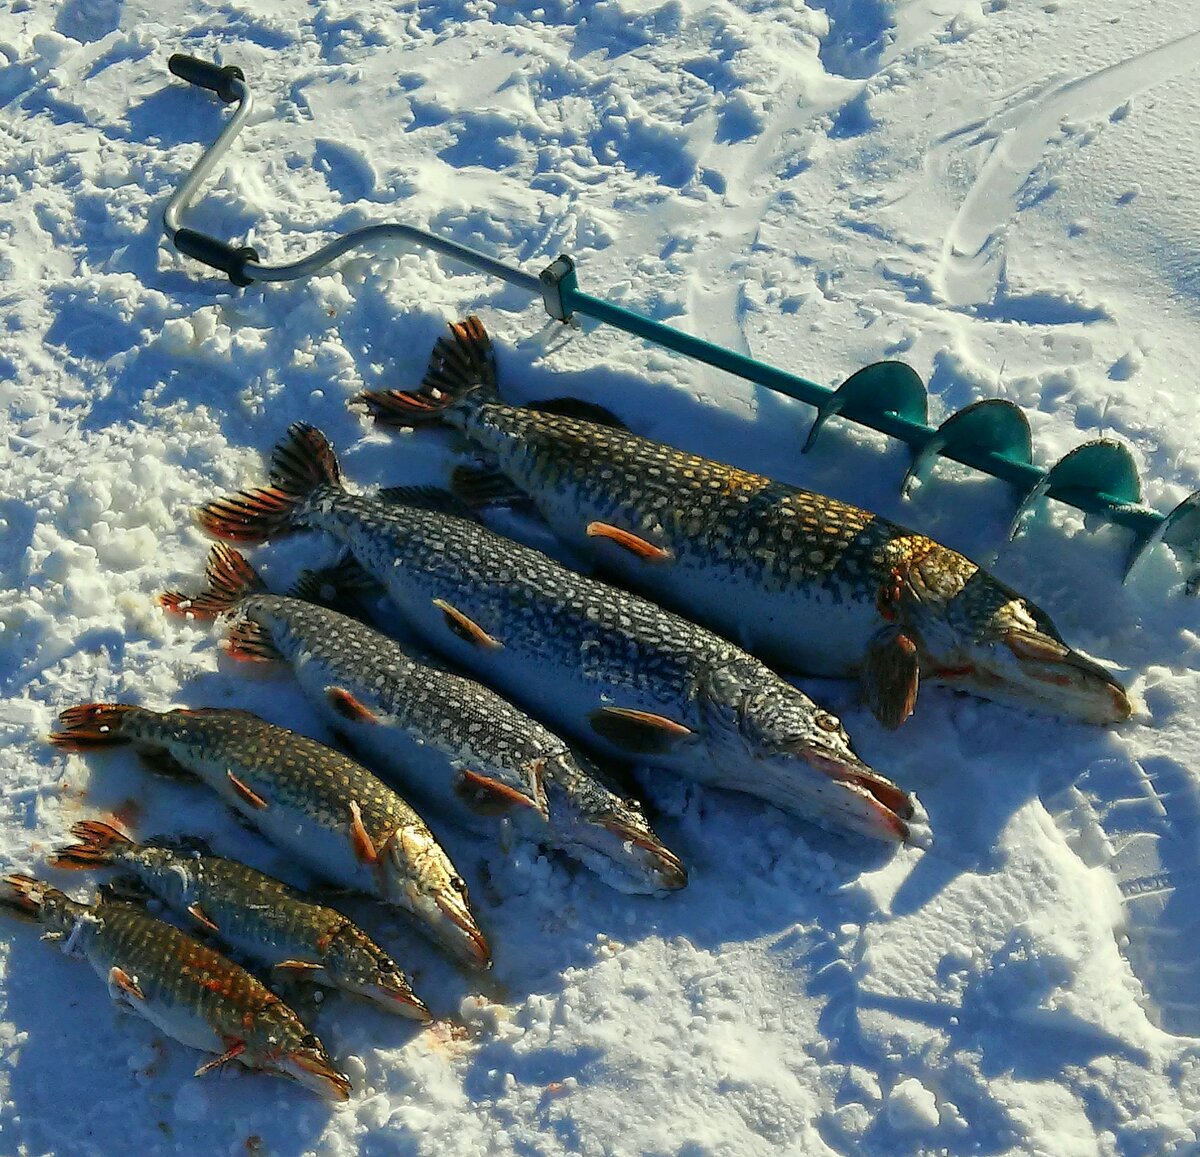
column 1002, row 194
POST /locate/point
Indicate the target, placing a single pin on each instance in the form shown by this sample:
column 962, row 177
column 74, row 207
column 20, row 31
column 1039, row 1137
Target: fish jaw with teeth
column 767, row 738
column 987, row 639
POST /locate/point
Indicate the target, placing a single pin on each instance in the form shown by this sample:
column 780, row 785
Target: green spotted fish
column 807, row 583
column 609, row 668
column 331, row 813
column 262, row 918
column 183, row 987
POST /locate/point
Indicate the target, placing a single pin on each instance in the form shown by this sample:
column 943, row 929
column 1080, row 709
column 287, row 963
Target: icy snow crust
column 1003, row 194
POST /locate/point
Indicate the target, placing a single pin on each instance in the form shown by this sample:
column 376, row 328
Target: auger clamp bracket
column 557, row 277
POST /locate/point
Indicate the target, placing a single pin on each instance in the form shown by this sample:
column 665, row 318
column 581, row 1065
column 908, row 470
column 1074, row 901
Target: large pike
column 806, row 582
column 331, row 813
column 452, row 741
column 608, row 667
column 184, row 988
column 262, row 918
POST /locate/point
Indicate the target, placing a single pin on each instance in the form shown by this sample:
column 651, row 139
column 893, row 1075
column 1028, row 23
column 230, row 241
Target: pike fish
column 184, row 988
column 262, row 918
column 455, row 743
column 607, row 667
column 328, row 811
column 805, row 582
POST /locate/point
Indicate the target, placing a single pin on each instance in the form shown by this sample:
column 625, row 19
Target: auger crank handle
column 204, row 74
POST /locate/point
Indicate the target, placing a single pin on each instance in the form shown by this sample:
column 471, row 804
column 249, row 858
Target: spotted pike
column 806, row 582
column 262, row 918
column 610, row 668
column 330, row 812
column 448, row 739
column 184, row 988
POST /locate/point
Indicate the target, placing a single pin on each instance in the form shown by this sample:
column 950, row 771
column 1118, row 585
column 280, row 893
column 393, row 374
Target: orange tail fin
column 91, row 725
column 228, row 579
column 302, row 462
column 460, row 364
column 99, row 844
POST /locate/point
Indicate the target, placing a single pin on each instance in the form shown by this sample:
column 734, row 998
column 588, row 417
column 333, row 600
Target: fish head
column 761, row 729
column 305, row 1060
column 987, row 639
column 356, row 964
column 609, row 832
column 420, row 877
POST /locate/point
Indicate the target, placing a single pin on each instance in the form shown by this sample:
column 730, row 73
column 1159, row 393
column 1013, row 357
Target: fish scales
column 331, row 812
column 256, row 914
column 454, row 742
column 185, row 988
column 554, row 617
column 299, row 774
column 809, row 583
column 611, row 668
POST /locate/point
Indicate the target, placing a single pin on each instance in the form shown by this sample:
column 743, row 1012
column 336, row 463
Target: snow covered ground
column 1002, row 194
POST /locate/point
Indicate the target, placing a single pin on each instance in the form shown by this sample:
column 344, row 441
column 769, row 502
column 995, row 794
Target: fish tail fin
column 462, row 363
column 24, row 894
column 99, row 844
column 303, row 462
column 228, row 579
column 91, row 725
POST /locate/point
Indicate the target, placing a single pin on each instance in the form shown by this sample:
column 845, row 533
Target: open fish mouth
column 399, row 999
column 860, row 798
column 317, row 1073
column 1032, row 669
column 460, row 933
column 646, row 858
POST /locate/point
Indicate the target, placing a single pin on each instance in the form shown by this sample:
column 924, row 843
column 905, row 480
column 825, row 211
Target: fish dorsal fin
column 638, row 732
column 481, row 486
column 891, row 675
column 577, row 408
column 427, row 498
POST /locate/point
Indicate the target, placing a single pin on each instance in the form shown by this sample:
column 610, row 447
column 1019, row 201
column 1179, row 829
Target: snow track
column 1002, row 194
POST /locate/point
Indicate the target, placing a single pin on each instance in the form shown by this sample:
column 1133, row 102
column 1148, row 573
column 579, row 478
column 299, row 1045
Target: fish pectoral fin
column 890, row 676
column 120, row 983
column 300, row 966
column 251, row 642
column 466, row 628
column 247, row 793
column 630, row 541
column 637, row 732
column 489, row 797
column 200, row 916
column 482, row 486
column 234, row 1051
column 349, row 706
column 364, row 846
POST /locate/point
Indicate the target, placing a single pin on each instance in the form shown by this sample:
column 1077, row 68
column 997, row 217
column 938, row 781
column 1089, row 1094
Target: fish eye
column 459, row 885
column 385, row 965
column 827, row 722
column 309, row 1041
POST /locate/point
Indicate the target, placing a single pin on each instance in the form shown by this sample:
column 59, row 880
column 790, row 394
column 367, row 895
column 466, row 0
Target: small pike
column 612, row 669
column 450, row 740
column 255, row 914
column 330, row 812
column 184, row 988
column 806, row 582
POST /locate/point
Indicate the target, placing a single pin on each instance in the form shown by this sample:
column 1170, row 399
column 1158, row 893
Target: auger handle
column 204, row 74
